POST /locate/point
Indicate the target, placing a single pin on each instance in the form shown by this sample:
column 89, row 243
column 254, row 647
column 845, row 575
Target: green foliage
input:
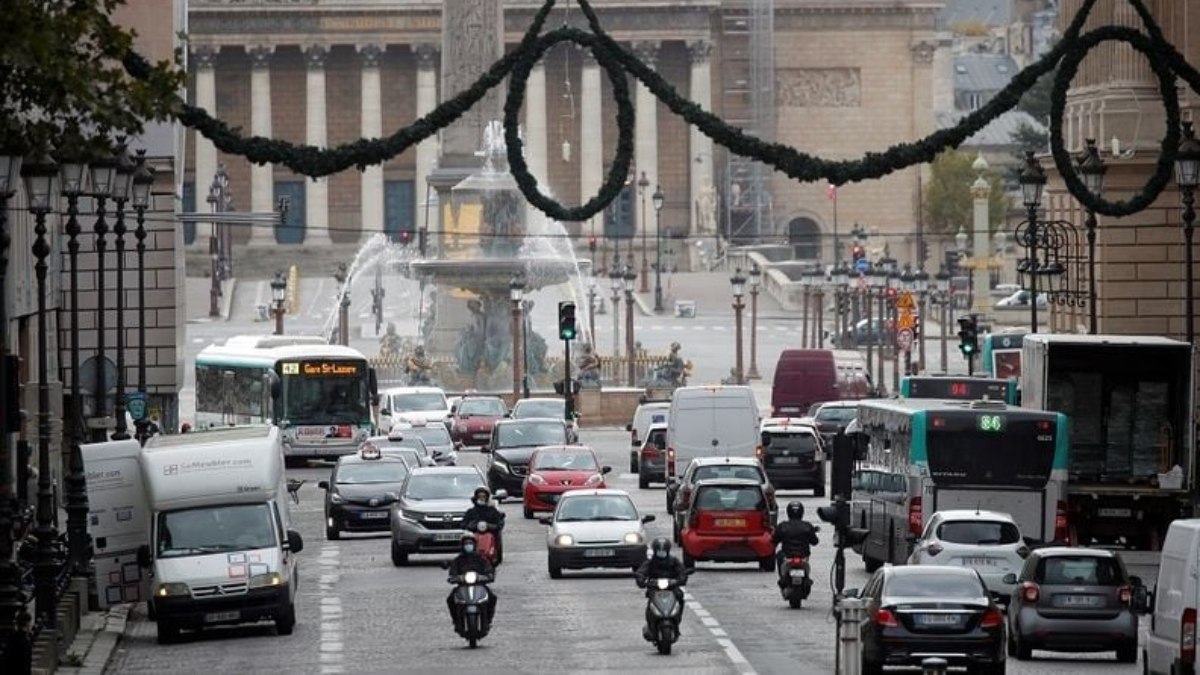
column 62, row 81
column 948, row 202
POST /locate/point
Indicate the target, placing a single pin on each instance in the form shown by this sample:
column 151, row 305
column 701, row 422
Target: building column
column 645, row 141
column 702, row 191
column 591, row 141
column 262, row 177
column 535, row 123
column 205, row 57
column 372, row 215
column 316, row 192
column 427, row 150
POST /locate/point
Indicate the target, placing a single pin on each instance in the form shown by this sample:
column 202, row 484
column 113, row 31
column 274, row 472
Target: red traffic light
column 592, row 244
column 891, row 292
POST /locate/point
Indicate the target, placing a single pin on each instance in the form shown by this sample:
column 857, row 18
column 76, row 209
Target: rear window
column 1080, row 570
column 658, row 438
column 837, row 414
column 978, row 532
column 791, row 442
column 718, row 498
column 725, row 471
column 934, row 586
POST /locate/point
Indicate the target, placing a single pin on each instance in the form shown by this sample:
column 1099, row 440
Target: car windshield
column 978, row 532
column 957, row 586
column 406, row 441
column 442, row 486
column 538, row 409
column 407, row 455
column 1080, row 571
column 215, row 529
column 487, row 407
column 725, row 471
column 565, row 460
column 611, row 507
column 418, row 402
column 434, row 435
column 721, row 498
column 837, row 413
column 529, row 434
column 371, row 472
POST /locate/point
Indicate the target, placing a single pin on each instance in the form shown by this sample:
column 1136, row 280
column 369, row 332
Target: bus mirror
column 766, row 439
column 276, row 386
column 373, row 385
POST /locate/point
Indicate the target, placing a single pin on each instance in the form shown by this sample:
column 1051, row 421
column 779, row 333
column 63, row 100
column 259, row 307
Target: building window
column 189, row 206
column 398, row 209
column 291, row 231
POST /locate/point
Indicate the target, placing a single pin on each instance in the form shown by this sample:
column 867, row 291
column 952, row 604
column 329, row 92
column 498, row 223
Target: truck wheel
column 168, row 632
column 285, row 621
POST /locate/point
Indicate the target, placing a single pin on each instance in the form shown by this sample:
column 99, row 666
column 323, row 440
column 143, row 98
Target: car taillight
column 1187, row 636
column 934, row 549
column 685, row 498
column 758, row 453
column 1125, row 594
column 650, row 452
column 991, row 618
column 1060, row 523
column 535, row 479
column 670, row 461
column 1030, row 591
column 914, row 516
column 884, row 617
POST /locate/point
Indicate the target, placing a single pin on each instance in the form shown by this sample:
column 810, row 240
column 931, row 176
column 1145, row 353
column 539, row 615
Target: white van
column 648, row 413
column 712, row 421
column 220, row 548
column 1170, row 646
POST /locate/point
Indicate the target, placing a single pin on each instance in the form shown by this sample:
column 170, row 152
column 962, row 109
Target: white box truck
column 219, row 543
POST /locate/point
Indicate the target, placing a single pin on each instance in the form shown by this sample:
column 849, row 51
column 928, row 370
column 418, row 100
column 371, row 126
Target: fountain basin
column 494, row 274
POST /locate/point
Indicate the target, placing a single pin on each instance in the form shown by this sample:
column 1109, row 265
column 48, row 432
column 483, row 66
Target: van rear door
column 118, row 519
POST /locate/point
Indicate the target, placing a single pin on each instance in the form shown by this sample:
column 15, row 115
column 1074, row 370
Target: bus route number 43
column 991, row 423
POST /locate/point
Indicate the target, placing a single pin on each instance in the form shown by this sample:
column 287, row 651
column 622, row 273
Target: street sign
column 904, row 339
column 862, row 264
column 135, row 403
column 906, row 321
column 905, row 301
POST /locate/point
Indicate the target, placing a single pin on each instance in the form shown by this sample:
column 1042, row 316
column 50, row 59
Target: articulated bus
column 320, row 395
column 1001, row 356
column 925, row 455
column 961, row 388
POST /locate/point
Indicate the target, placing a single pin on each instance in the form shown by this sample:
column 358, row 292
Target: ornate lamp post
column 657, row 200
column 1033, row 182
column 738, row 280
column 1090, row 168
column 107, row 188
column 881, row 288
column 1187, row 175
column 841, row 282
column 592, row 312
column 216, row 201
column 643, row 185
column 122, row 185
column 806, row 281
column 755, row 283
column 143, row 182
column 278, row 295
column 892, row 295
column 10, row 595
column 516, row 293
column 921, row 284
column 616, row 283
column 39, row 178
column 870, row 277
column 941, row 287
column 629, row 278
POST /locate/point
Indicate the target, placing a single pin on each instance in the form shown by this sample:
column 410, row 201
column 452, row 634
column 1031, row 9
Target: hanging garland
column 315, row 162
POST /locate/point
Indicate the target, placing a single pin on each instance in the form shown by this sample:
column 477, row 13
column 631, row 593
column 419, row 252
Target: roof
column 974, row 71
column 1113, row 340
column 430, row 470
column 215, row 435
column 738, row 482
column 526, row 420
column 564, row 448
column 1075, row 551
column 413, row 390
column 740, row 461
column 989, row 12
column 929, row 570
column 605, row 492
column 972, row 514
column 848, row 403
column 357, row 459
column 998, row 133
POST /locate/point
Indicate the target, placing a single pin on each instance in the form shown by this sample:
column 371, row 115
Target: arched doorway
column 804, row 235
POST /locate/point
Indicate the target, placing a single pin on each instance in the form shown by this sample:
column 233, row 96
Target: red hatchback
column 555, row 469
column 729, row 520
column 472, row 419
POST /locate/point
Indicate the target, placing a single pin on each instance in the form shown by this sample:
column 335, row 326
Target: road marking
column 331, row 644
column 714, row 628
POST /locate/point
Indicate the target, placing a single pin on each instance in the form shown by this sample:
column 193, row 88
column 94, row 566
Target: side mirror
column 546, row 520
column 143, row 556
column 648, row 518
column 1143, row 599
column 850, row 593
column 324, row 485
column 1009, row 579
column 766, row 438
column 501, row 495
column 295, row 542
column 628, row 427
column 385, row 412
column 606, row 469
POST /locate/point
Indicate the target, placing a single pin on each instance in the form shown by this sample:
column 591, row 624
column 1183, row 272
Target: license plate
column 937, row 619
column 599, row 553
column 312, row 431
column 373, row 515
column 1077, row 600
column 798, row 573
column 730, row 522
column 447, row 536
column 1114, row 513
column 217, row 617
column 786, row 460
column 978, row 562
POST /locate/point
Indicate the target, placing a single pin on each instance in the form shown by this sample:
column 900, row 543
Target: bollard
column 933, row 666
column 851, row 649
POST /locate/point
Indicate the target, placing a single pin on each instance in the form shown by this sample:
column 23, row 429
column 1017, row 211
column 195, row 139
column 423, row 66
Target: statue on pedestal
column 390, row 343
column 417, row 368
column 588, row 364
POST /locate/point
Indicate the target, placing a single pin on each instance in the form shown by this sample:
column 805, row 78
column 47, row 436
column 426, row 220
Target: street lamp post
column 10, row 594
column 921, row 284
column 755, row 283
column 592, row 313
column 805, row 286
column 278, row 295
column 1033, row 181
column 99, row 389
column 658, row 199
column 215, row 199
column 841, row 280
column 1187, row 175
column 1090, row 168
column 881, row 285
column 868, row 303
column 143, row 182
column 629, row 278
column 892, row 313
column 124, row 183
column 616, row 284
column 516, row 293
column 643, row 185
column 738, row 280
column 942, row 295
column 39, row 179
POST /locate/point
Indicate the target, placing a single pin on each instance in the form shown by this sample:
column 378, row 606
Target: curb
column 97, row 640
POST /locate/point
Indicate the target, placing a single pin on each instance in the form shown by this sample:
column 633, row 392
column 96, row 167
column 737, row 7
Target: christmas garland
column 315, row 162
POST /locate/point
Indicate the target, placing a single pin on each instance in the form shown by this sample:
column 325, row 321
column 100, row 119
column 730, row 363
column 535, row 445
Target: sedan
column 914, row 612
column 428, row 517
column 513, row 443
column 1073, row 599
column 360, row 491
column 473, row 417
column 554, row 470
column 986, row 541
column 433, row 434
column 555, row 408
column 595, row 528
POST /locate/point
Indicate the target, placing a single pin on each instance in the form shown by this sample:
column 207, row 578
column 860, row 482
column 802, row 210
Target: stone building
column 850, row 76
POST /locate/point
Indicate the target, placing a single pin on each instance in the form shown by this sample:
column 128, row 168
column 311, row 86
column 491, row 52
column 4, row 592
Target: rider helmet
column 661, row 548
column 481, row 496
column 795, row 511
column 467, row 542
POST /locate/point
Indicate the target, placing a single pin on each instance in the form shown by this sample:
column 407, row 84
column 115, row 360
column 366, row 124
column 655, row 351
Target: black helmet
column 487, row 494
column 795, row 511
column 661, row 547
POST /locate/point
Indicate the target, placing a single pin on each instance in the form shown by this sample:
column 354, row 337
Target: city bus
column 1001, row 356
column 948, row 387
column 320, row 395
column 926, row 455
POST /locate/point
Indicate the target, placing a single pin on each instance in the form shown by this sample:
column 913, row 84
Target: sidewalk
column 197, row 296
column 97, row 639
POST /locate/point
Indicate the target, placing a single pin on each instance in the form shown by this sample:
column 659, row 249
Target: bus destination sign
column 959, row 388
column 322, row 369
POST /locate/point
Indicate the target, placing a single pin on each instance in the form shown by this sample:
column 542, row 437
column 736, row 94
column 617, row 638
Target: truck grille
column 218, row 590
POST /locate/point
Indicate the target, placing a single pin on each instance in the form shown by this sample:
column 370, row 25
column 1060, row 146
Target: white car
column 425, row 403
column 1021, row 299
column 987, row 541
column 433, row 434
column 595, row 528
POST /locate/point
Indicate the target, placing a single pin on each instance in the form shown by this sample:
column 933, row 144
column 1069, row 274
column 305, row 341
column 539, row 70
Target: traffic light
column 923, row 251
column 968, row 335
column 567, row 329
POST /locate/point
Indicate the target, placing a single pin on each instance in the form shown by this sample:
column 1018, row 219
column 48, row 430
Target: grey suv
column 428, row 516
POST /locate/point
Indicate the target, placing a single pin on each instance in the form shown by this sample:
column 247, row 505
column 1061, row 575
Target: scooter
column 664, row 612
column 471, row 603
column 487, row 538
column 795, row 583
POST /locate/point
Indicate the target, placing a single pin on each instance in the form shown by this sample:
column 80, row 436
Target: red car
column 472, row 419
column 555, row 469
column 729, row 520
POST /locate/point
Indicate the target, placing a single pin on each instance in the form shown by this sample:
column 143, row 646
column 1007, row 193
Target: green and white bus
column 320, row 395
column 962, row 388
column 928, row 455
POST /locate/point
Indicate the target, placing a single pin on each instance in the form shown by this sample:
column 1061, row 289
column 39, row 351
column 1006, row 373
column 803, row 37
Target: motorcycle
column 471, row 607
column 487, row 538
column 664, row 612
column 795, row 582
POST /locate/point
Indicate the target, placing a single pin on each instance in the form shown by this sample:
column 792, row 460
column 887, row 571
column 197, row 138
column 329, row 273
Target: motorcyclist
column 660, row 565
column 482, row 509
column 469, row 560
column 795, row 537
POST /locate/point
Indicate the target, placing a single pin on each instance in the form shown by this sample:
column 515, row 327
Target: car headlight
column 500, row 464
column 535, row 479
column 595, row 479
column 169, row 590
column 265, row 580
column 410, row 516
column 335, row 498
column 564, row 540
column 470, row 577
column 634, row 538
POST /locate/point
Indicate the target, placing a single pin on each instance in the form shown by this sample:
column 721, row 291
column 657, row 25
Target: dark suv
column 793, row 458
column 512, row 444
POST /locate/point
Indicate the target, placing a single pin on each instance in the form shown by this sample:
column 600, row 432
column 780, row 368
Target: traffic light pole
column 568, row 385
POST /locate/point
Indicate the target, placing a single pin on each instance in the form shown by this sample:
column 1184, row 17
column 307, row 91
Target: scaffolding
column 748, row 98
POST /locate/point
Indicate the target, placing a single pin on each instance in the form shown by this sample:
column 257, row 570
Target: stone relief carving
column 427, row 54
column 699, row 50
column 371, row 54
column 647, row 52
column 818, row 87
column 472, row 35
column 205, row 56
column 315, row 55
column 922, row 53
column 260, row 55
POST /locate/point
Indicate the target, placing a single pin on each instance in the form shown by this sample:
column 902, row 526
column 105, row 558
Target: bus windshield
column 314, row 397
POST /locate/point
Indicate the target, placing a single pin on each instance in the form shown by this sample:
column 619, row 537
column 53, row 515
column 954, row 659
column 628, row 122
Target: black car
column 512, row 444
column 832, row 417
column 793, row 458
column 914, row 612
column 360, row 492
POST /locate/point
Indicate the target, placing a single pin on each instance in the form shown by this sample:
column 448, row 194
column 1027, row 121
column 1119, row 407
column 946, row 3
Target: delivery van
column 713, row 421
column 1170, row 646
column 220, row 549
column 804, row 377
